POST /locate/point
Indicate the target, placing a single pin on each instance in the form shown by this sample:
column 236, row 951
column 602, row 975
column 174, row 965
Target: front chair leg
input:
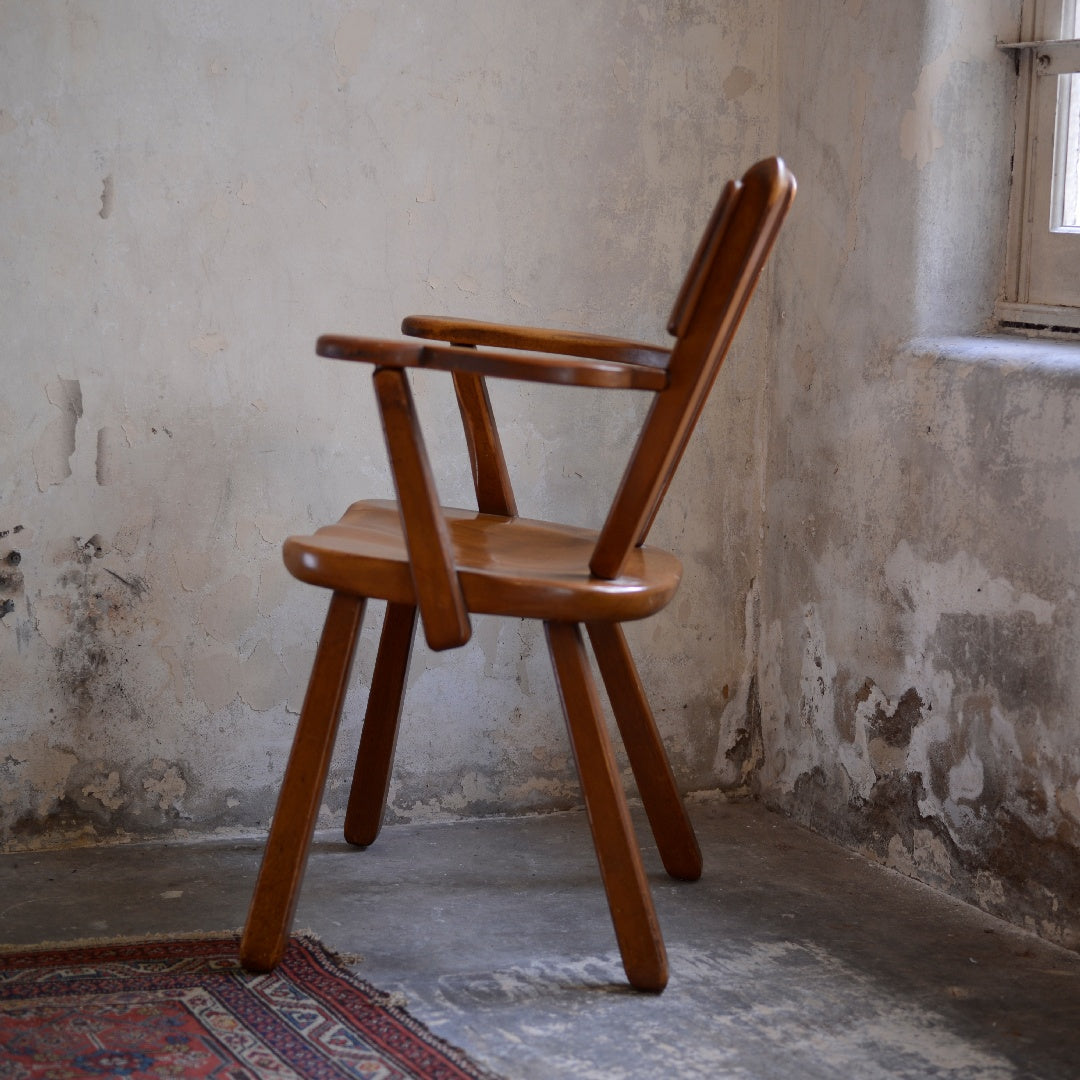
column 270, row 916
column 636, row 928
column 371, row 778
column 671, row 827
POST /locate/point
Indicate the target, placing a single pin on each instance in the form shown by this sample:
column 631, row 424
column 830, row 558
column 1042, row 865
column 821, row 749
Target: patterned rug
column 185, row 1008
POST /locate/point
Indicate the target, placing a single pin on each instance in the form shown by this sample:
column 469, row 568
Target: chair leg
column 636, row 928
column 270, row 916
column 671, row 827
column 371, row 778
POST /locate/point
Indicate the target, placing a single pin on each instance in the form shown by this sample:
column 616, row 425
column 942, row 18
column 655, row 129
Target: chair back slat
column 706, row 315
column 694, row 282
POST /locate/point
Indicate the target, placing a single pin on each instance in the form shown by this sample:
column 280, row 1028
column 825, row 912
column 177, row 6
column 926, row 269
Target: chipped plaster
column 919, row 591
column 169, row 268
column 879, row 620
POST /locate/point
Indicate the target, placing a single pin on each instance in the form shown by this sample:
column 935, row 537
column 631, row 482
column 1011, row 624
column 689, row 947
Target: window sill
column 1010, row 353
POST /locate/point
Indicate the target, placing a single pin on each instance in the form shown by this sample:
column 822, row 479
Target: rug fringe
column 127, row 939
column 349, row 959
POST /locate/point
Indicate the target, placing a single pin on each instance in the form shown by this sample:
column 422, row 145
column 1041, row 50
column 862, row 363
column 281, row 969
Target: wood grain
column 449, row 563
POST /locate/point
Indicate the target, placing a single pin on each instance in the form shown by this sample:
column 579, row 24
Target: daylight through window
column 1042, row 288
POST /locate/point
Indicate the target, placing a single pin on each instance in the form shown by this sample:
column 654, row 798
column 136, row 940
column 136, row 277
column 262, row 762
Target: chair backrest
column 706, row 315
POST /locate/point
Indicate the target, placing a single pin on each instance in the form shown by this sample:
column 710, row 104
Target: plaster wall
column 919, row 597
column 190, row 193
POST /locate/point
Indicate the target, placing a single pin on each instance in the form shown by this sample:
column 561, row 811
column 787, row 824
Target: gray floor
column 789, row 959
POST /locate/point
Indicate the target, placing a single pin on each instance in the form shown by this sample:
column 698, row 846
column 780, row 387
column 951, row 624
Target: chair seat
column 506, row 565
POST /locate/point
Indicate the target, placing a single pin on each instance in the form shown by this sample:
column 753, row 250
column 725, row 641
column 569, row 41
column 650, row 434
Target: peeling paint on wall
column 170, row 425
column 107, row 198
column 106, row 790
column 352, row 40
column 956, row 780
column 920, row 583
column 739, row 747
column 169, row 788
column 920, row 136
column 56, row 444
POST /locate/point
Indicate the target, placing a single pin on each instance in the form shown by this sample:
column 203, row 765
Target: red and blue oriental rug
column 184, row 1008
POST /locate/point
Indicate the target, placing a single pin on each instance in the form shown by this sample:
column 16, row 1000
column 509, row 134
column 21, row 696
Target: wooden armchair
column 446, row 563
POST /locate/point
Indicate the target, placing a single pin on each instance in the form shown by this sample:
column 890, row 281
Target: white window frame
column 1042, row 286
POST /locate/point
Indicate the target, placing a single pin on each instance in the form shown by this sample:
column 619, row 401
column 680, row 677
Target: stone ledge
column 1054, row 358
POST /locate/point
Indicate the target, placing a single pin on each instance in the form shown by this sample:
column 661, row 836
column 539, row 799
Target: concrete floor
column 789, row 959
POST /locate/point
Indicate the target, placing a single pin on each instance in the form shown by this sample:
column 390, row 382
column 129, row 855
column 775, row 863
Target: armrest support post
column 494, row 493
column 431, row 557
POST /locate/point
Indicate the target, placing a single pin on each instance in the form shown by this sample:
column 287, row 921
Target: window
column 1043, row 275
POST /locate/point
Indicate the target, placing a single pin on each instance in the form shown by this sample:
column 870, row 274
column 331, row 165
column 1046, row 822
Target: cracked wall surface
column 920, row 582
column 189, row 194
column 878, row 515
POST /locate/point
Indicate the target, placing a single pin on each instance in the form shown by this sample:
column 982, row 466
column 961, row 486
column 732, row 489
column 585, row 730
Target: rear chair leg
column 278, row 887
column 371, row 778
column 671, row 827
column 636, row 928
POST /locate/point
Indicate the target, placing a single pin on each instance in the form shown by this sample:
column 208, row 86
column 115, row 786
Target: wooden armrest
column 563, row 370
column 535, row 339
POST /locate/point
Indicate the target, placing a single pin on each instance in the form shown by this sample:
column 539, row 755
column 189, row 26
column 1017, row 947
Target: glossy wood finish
column 636, row 929
column 427, row 538
column 722, row 276
column 505, row 566
column 671, row 828
column 694, row 282
column 449, row 563
column 525, row 367
column 277, row 889
column 535, row 339
column 491, row 480
column 371, row 776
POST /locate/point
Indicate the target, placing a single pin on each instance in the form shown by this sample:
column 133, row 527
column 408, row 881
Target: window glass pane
column 1069, row 102
column 1065, row 204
